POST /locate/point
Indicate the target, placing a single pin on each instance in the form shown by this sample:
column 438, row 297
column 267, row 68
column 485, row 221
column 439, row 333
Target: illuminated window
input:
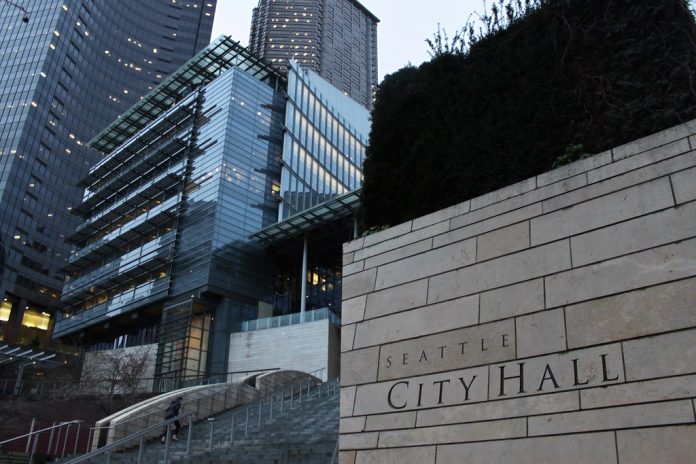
column 5, row 310
column 35, row 319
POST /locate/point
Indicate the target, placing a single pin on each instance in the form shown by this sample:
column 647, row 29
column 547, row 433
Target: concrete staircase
column 302, row 428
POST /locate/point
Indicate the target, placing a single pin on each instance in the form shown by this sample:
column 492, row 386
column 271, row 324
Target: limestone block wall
column 553, row 320
column 308, row 347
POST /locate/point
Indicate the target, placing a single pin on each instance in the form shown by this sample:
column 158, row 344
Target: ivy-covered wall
column 595, row 73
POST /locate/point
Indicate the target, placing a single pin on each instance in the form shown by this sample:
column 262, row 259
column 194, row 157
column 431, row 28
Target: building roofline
column 365, row 10
column 221, row 55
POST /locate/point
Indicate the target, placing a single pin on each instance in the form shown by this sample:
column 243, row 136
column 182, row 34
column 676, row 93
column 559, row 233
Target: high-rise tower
column 335, row 38
column 67, row 73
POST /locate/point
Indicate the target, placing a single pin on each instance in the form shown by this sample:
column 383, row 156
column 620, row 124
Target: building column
column 303, row 292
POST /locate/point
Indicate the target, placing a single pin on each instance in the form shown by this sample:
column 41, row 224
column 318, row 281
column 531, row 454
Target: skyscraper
column 335, row 38
column 67, row 73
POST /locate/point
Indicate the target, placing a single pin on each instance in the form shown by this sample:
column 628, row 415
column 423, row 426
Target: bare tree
column 107, row 374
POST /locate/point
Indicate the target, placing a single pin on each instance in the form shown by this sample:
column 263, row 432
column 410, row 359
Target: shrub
column 568, row 72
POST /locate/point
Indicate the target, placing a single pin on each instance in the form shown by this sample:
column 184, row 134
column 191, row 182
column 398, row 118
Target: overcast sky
column 404, row 25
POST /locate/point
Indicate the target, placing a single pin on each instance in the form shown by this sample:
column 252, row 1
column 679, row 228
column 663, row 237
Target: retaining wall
column 553, row 320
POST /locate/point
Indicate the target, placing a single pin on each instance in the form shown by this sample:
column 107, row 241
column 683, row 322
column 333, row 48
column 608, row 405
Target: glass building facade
column 165, row 252
column 325, row 139
column 162, row 254
column 67, row 73
column 335, row 38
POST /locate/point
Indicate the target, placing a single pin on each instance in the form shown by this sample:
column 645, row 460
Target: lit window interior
column 5, row 310
column 35, row 319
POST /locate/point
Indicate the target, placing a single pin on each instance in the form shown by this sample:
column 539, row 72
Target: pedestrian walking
column 173, row 410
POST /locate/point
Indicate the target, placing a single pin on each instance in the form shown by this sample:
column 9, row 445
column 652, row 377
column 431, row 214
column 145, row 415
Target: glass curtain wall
column 324, row 147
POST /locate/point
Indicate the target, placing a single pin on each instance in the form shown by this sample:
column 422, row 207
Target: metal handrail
column 36, row 433
column 26, row 435
column 109, row 449
column 193, row 398
column 268, row 405
column 155, row 384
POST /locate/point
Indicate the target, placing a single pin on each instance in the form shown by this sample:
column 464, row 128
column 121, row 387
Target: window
column 5, row 310
column 35, row 319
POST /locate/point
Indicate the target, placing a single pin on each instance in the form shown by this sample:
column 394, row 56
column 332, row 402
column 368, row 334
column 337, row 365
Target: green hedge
column 595, row 73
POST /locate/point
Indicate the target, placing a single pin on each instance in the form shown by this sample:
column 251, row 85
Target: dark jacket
column 173, row 409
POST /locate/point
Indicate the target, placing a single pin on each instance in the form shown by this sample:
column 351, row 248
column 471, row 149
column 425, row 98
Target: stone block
column 634, row 235
column 426, row 264
column 573, row 169
column 359, row 366
column 420, row 455
column 353, row 268
column 347, row 401
column 503, row 241
column 661, row 355
column 620, row 181
column 643, row 159
column 502, row 409
column 348, row 258
column 592, row 448
column 402, row 240
column 500, row 272
column 352, row 424
column 353, row 310
column 399, row 253
column 347, row 337
column 456, row 349
column 513, row 300
column 443, row 215
column 647, row 311
column 541, row 333
column 504, row 193
column 396, row 299
column 461, row 312
column 664, row 445
column 642, row 269
column 353, row 245
column 398, row 420
column 346, row 457
column 669, row 388
column 655, row 140
column 359, row 284
column 436, row 390
column 366, row 440
column 571, row 370
column 387, row 234
column 684, row 183
column 622, row 417
column 458, row 433
column 602, row 211
column 478, row 223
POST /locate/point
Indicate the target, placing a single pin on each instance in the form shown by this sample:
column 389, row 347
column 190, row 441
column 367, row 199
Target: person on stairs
column 173, row 411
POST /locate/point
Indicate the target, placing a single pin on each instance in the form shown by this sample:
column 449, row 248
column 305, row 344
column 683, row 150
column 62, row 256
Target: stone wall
column 553, row 320
column 308, row 347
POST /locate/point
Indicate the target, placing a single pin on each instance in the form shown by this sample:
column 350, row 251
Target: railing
column 57, row 445
column 141, row 436
column 201, row 403
column 114, row 305
column 278, row 400
column 123, row 263
column 275, row 403
column 287, row 319
column 221, row 433
column 59, row 390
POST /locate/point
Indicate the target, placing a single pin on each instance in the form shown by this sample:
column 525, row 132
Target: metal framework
column 301, row 223
column 221, row 55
